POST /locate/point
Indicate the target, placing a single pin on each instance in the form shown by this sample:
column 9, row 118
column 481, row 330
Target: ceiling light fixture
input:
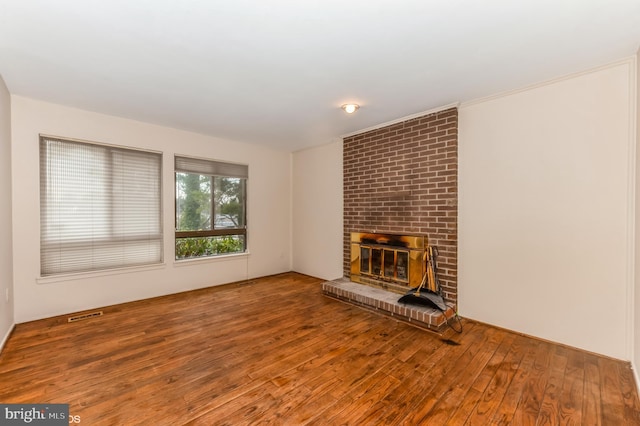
column 350, row 108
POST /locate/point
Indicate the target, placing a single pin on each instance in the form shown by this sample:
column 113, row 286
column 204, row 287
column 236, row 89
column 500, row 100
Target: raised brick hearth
column 386, row 302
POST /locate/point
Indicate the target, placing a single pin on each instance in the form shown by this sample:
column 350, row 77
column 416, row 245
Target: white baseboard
column 6, row 337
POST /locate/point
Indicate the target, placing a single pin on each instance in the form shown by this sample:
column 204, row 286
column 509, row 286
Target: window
column 100, row 207
column 210, row 208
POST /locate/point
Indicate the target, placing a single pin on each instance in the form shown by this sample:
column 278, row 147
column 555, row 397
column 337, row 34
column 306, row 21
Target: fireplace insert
column 390, row 261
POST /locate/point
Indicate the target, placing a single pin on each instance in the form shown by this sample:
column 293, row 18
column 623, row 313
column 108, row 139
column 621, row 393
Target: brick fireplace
column 400, row 195
column 403, row 179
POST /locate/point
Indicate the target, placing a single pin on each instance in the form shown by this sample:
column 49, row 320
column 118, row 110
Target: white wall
column 6, row 254
column 545, row 210
column 269, row 212
column 317, row 211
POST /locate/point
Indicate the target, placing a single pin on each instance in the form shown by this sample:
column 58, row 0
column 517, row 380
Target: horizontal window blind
column 210, row 168
column 100, row 207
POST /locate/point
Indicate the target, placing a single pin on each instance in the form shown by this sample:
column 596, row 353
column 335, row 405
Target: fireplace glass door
column 376, row 261
column 389, row 263
column 402, row 265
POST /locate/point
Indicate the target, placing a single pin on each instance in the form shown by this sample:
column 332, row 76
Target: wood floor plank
column 439, row 378
column 460, row 378
column 412, row 374
column 572, row 393
column 513, row 394
column 352, row 406
column 320, row 400
column 276, row 351
column 550, row 407
column 629, row 395
column 496, row 389
column 533, row 392
column 467, row 405
column 618, row 400
column 592, row 401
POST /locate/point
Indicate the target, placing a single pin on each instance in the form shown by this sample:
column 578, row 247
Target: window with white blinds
column 100, row 207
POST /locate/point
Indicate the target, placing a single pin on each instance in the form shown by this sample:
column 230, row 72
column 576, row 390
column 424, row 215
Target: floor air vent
column 84, row 316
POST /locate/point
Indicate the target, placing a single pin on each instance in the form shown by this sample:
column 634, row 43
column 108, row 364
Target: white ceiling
column 276, row 72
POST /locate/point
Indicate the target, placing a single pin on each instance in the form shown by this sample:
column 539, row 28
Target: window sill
column 218, row 258
column 107, row 272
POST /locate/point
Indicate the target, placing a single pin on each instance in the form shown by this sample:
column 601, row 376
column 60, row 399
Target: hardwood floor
column 276, row 351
